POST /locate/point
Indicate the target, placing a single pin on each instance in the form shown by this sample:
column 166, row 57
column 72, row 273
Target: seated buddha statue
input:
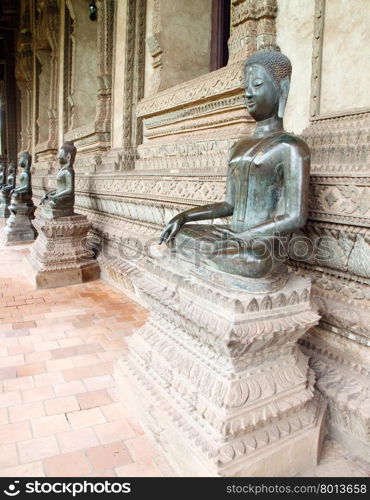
column 60, row 201
column 266, row 186
column 10, row 181
column 23, row 193
column 7, row 184
column 2, row 174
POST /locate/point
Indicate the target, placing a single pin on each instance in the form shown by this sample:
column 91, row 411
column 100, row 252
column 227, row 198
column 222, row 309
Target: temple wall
column 153, row 140
column 294, row 33
column 346, row 47
column 185, row 40
column 44, row 79
column 338, row 225
column 118, row 73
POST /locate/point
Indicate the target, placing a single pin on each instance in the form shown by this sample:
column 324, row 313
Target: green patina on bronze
column 267, row 184
column 60, row 201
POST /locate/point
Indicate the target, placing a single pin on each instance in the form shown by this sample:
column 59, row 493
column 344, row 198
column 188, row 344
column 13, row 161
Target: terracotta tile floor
column 59, row 413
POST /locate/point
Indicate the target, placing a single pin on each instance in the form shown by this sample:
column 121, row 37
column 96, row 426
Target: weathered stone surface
column 60, row 255
column 4, row 206
column 217, row 373
column 19, row 228
column 339, row 225
column 343, row 369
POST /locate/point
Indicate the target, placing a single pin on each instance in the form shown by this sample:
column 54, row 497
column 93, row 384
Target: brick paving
column 59, row 411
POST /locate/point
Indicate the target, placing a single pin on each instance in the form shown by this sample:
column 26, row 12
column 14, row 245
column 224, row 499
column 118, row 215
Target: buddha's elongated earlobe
column 284, row 91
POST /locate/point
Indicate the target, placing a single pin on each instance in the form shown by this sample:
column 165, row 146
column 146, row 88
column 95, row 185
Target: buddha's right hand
column 171, row 230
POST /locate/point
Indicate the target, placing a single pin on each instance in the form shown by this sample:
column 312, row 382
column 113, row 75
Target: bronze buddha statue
column 2, row 174
column 6, row 188
column 23, row 193
column 10, row 180
column 60, row 201
column 267, row 184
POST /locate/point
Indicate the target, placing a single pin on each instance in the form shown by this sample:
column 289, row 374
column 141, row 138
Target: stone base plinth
column 217, row 377
column 4, row 206
column 19, row 228
column 60, row 256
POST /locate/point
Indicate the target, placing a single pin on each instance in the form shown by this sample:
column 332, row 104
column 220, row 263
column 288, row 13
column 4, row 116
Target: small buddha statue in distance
column 7, row 184
column 60, row 201
column 10, row 180
column 267, row 184
column 2, row 174
column 23, row 193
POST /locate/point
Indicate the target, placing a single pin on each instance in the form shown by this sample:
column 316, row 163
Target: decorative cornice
column 226, row 80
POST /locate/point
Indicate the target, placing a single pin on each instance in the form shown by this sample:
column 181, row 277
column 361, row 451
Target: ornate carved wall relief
column 23, row 73
column 252, row 27
column 105, row 60
column 46, row 47
column 339, row 222
column 69, row 68
column 155, row 49
column 88, row 81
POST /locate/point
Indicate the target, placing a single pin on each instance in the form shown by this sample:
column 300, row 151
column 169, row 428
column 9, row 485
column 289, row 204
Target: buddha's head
column 25, row 160
column 267, row 81
column 67, row 154
column 11, row 169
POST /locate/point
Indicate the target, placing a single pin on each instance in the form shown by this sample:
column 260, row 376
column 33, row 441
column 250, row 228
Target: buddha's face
column 22, row 161
column 62, row 156
column 262, row 95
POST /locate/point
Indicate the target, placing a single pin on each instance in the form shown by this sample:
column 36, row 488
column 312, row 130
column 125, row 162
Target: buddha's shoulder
column 293, row 141
column 245, row 143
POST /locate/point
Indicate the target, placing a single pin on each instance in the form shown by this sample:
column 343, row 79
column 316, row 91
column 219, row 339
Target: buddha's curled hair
column 276, row 63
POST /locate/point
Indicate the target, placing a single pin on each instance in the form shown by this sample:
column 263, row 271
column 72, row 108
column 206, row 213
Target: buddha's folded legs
column 62, row 202
column 206, row 245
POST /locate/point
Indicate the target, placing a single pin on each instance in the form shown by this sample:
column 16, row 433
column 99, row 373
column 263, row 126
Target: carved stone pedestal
column 19, row 228
column 4, row 206
column 216, row 374
column 60, row 255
